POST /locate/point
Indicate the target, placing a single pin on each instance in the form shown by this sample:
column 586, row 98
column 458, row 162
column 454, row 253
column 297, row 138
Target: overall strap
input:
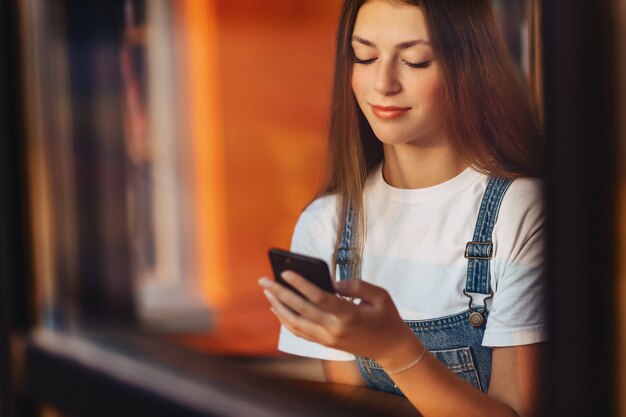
column 479, row 251
column 344, row 253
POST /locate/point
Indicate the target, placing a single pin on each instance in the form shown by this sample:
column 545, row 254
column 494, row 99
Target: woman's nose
column 386, row 81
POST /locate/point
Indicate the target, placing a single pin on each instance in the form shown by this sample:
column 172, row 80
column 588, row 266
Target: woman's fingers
column 368, row 293
column 284, row 313
column 295, row 323
column 293, row 301
column 311, row 291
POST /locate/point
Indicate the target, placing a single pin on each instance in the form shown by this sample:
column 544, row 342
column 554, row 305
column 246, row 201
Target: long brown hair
column 488, row 110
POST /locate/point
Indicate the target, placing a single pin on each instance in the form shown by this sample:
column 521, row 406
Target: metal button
column 476, row 319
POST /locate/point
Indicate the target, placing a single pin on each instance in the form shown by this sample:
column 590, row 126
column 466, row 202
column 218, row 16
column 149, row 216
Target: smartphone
column 313, row 269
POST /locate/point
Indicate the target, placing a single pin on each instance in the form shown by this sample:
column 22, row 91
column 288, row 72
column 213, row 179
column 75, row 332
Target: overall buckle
column 479, row 250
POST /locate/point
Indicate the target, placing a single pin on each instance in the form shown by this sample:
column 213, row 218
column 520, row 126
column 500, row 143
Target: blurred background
column 172, row 143
column 154, row 150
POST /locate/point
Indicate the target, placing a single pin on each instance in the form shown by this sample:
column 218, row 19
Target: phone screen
column 313, row 269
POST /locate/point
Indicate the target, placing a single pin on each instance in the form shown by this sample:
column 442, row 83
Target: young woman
column 431, row 216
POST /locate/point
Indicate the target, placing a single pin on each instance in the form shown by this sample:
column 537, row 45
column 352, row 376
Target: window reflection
column 160, row 168
column 520, row 23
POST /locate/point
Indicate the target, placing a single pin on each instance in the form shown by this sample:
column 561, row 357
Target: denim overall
column 456, row 339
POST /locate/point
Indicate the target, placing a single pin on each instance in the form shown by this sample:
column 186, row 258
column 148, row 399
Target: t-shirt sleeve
column 517, row 313
column 314, row 235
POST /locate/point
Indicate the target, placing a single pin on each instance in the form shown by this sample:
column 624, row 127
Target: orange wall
column 259, row 86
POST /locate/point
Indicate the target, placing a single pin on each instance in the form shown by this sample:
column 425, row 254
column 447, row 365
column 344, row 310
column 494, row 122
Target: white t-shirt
column 414, row 248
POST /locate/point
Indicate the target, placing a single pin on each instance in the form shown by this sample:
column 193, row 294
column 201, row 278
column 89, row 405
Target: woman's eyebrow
column 403, row 45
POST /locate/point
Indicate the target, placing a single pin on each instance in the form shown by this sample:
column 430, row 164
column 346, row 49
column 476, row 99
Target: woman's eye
column 424, row 64
column 363, row 61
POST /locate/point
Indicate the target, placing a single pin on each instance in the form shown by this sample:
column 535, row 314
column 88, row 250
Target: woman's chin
column 388, row 137
column 391, row 140
column 427, row 140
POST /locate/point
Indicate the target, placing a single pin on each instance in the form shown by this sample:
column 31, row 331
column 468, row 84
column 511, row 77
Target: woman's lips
column 389, row 112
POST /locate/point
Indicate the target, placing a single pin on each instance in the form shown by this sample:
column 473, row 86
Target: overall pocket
column 376, row 377
column 460, row 362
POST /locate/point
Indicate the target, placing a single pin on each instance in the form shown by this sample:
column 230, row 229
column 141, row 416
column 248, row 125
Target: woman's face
column 396, row 78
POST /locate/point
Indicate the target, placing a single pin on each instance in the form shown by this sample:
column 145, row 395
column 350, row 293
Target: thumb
column 365, row 291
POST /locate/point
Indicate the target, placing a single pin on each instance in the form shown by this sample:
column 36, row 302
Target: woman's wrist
column 408, row 366
column 406, row 353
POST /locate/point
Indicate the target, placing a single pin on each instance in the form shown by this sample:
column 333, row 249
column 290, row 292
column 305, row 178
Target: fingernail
column 287, row 276
column 264, row 282
column 268, row 294
column 273, row 311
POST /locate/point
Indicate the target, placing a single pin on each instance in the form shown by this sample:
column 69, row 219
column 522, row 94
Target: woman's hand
column 372, row 328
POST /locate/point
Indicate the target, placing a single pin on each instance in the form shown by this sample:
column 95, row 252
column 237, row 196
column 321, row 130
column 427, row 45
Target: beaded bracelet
column 412, row 364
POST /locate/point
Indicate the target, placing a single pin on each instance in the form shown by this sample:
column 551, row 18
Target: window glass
column 171, row 144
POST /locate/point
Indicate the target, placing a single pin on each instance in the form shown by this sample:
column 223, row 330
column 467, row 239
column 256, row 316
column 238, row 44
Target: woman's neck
column 410, row 167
